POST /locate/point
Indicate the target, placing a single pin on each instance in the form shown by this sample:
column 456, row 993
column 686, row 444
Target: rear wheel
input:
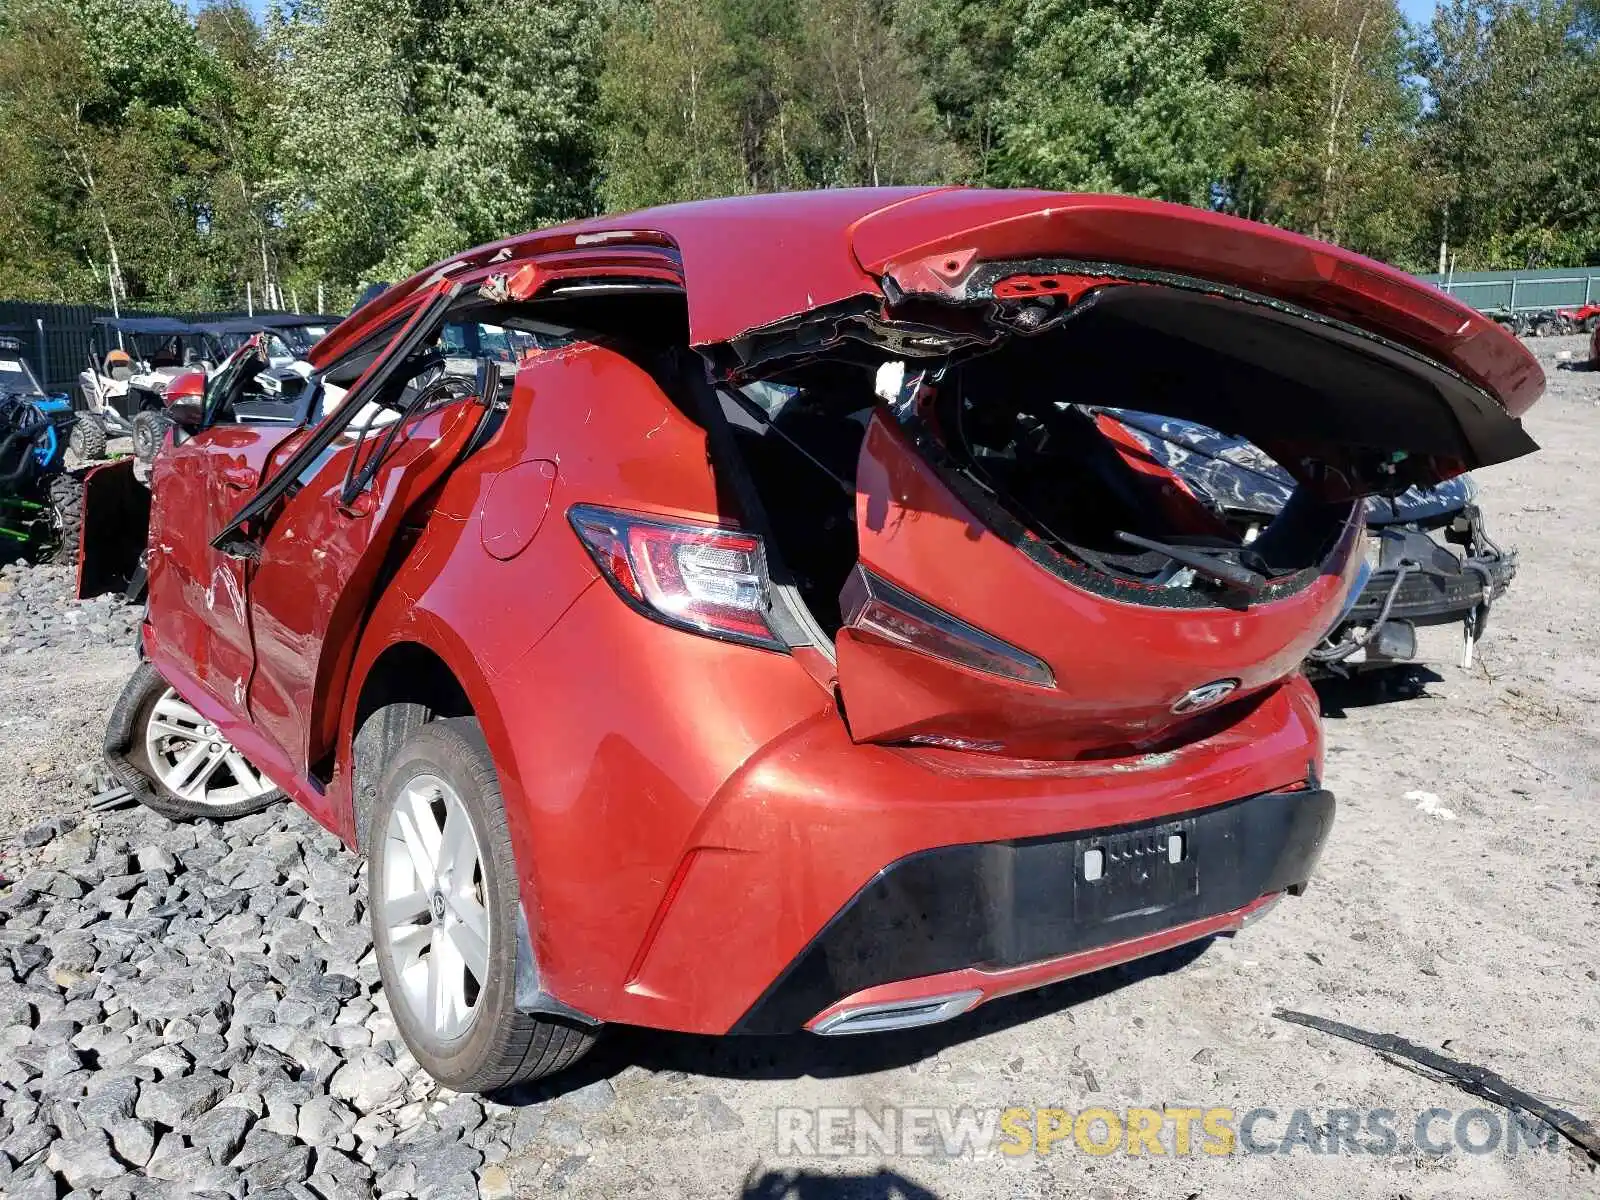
column 66, row 517
column 192, row 769
column 88, row 438
column 444, row 905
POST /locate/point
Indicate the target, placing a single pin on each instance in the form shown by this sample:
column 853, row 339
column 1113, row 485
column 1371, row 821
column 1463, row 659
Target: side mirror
column 185, row 400
column 187, row 411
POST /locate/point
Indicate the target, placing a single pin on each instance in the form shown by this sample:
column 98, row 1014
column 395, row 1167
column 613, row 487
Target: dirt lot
column 1468, row 922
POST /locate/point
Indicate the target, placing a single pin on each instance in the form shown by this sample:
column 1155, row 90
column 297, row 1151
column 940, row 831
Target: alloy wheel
column 431, row 900
column 194, row 761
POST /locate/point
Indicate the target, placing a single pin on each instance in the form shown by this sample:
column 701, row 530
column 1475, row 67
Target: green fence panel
column 1522, row 291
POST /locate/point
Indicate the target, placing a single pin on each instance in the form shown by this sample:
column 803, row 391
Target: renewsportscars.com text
column 1175, row 1132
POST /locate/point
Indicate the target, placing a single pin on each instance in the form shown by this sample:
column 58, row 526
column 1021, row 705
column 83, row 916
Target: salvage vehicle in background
column 1584, row 317
column 136, row 359
column 794, row 605
column 40, row 507
column 289, row 336
column 130, row 365
column 1416, row 577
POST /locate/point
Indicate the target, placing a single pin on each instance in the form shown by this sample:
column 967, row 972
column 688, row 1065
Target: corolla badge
column 1205, row 695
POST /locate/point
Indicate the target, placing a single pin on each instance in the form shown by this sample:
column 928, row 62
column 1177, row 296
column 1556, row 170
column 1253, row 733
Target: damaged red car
column 782, row 644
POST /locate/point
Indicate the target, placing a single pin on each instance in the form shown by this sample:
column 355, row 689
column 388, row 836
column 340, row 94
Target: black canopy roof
column 295, row 320
column 231, row 325
column 155, row 325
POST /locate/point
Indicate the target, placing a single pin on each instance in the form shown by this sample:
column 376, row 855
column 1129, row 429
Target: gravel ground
column 193, row 1009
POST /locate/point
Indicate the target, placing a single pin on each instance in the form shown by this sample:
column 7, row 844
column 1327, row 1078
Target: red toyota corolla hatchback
column 733, row 617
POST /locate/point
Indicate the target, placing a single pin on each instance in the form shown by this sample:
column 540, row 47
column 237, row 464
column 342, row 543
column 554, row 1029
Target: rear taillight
column 703, row 578
column 874, row 605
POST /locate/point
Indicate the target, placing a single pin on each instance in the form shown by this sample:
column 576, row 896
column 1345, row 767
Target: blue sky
column 259, row 7
column 1418, row 12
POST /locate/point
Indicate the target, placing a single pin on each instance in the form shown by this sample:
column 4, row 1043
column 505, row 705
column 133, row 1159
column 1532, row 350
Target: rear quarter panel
column 613, row 739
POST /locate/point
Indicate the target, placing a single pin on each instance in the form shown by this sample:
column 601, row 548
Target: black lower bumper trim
column 1005, row 904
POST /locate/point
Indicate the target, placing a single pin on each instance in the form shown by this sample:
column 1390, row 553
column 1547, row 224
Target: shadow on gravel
column 809, row 1185
column 791, row 1056
column 1368, row 689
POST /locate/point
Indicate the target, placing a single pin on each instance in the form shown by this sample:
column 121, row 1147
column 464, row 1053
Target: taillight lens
column 702, row 578
column 875, row 605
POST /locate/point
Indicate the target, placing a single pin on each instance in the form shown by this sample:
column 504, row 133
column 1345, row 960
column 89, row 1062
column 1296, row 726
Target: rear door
column 197, row 594
column 317, row 534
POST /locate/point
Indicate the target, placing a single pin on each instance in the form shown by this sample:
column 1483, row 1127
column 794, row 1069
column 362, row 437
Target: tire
column 66, row 516
column 223, row 795
column 149, row 433
column 441, row 776
column 87, row 439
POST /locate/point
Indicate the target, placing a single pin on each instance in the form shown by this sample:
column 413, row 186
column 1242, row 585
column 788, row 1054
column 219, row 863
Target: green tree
column 1502, row 129
column 346, row 110
column 412, row 129
column 668, row 107
column 765, row 67
column 965, row 48
column 243, row 226
column 1121, row 95
column 1326, row 139
column 507, row 123
column 100, row 138
column 876, row 121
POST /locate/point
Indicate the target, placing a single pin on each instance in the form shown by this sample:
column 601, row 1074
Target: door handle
column 241, row 478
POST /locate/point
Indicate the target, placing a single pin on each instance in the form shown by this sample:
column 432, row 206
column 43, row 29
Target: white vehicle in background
column 135, row 360
column 131, row 362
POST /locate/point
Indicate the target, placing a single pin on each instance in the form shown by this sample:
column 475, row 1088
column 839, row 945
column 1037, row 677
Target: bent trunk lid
column 1359, row 380
column 1127, row 677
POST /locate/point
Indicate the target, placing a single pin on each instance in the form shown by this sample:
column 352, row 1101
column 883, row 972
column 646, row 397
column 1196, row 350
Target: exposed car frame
column 1414, row 578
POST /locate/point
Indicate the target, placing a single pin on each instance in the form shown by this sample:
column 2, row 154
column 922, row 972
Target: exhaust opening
column 896, row 1014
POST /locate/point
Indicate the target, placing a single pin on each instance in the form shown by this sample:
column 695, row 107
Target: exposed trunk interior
column 1014, row 433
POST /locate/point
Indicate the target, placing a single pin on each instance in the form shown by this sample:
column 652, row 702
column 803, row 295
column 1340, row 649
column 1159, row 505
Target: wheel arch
column 421, row 672
column 406, row 684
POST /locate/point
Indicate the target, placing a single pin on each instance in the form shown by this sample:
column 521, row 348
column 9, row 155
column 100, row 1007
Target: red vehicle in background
column 786, row 646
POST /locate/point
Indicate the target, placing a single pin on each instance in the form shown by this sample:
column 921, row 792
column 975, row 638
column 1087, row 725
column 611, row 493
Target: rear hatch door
column 1355, row 378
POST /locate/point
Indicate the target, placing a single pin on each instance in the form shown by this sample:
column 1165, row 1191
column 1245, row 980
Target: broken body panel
column 668, row 792
column 1431, row 557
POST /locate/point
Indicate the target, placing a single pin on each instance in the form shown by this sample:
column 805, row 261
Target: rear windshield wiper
column 1202, row 562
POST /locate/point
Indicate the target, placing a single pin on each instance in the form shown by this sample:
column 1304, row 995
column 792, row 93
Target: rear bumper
column 677, row 859
column 932, row 998
column 999, row 917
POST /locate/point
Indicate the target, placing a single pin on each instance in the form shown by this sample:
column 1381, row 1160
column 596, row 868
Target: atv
column 125, row 379
column 40, row 501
